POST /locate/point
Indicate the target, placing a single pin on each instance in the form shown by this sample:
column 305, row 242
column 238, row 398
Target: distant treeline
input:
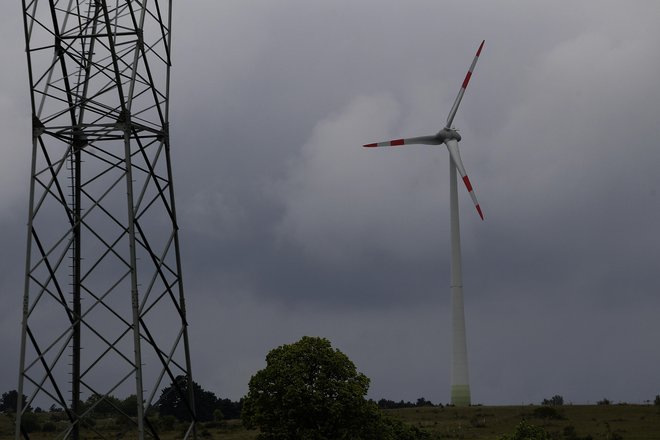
column 391, row 404
column 208, row 406
column 230, row 410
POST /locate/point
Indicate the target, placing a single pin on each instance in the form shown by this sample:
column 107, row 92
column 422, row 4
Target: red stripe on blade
column 481, row 214
column 467, row 80
column 397, row 142
column 480, row 47
column 370, row 145
column 467, row 183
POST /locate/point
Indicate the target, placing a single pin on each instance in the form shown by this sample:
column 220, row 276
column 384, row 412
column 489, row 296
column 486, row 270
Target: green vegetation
column 575, row 422
column 555, row 400
column 579, row 422
column 527, row 431
column 110, row 417
column 309, row 390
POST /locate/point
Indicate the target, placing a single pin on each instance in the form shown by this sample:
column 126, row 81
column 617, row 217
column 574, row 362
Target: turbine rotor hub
column 447, row 134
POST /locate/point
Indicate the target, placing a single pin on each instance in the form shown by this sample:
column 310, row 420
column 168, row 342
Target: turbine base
column 460, row 395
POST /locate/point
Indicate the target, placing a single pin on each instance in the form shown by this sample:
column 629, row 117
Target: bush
column 547, row 412
column 30, row 422
column 603, row 402
column 571, row 434
column 478, row 422
column 525, row 431
column 555, row 400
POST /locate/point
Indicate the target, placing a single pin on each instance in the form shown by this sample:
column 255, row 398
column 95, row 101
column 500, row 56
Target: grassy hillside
column 571, row 422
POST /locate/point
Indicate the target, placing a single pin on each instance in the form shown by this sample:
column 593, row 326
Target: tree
column 174, row 401
column 230, row 410
column 129, row 405
column 103, row 405
column 656, row 402
column 309, row 390
column 556, row 400
column 423, row 402
column 9, row 401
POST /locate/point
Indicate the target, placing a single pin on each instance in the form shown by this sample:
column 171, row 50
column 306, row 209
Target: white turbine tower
column 460, row 385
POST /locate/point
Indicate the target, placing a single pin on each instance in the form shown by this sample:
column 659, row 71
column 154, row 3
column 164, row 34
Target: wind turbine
column 460, row 386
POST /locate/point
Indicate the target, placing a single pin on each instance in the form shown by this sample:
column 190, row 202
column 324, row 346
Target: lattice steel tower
column 103, row 312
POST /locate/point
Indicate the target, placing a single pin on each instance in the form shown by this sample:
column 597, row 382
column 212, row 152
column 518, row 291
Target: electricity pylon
column 104, row 315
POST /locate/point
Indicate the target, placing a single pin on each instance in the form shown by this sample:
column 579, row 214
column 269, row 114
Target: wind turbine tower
column 104, row 315
column 460, row 385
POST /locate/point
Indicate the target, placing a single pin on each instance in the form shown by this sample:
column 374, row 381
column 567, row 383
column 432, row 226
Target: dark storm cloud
column 288, row 227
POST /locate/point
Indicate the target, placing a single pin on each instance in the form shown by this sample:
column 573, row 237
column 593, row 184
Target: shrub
column 547, row 412
column 478, row 422
column 525, row 431
column 30, row 422
column 555, row 400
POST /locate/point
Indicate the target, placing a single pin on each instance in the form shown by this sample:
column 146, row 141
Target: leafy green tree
column 129, row 405
column 103, row 405
column 174, row 401
column 423, row 402
column 230, row 410
column 9, row 401
column 555, row 400
column 309, row 390
column 526, row 431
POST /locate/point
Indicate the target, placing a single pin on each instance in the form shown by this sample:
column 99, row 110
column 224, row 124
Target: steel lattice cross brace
column 103, row 312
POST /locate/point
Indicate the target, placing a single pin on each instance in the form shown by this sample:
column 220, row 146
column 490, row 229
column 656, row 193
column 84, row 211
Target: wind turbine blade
column 426, row 140
column 452, row 146
column 461, row 92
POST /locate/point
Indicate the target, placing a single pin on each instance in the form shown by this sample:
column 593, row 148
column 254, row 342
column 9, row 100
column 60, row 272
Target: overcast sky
column 290, row 228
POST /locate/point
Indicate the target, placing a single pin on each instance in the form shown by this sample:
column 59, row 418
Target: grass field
column 570, row 422
column 607, row 422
